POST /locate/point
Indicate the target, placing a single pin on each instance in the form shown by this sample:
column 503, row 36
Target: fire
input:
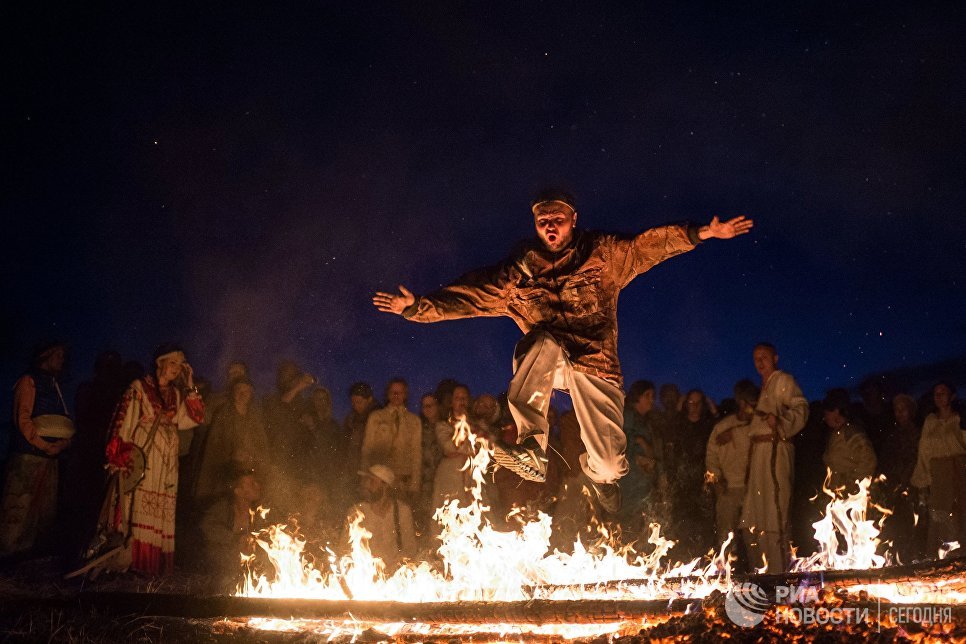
column 482, row 564
column 847, row 538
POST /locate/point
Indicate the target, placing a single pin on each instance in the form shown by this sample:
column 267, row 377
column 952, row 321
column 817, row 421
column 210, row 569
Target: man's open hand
column 728, row 229
column 392, row 302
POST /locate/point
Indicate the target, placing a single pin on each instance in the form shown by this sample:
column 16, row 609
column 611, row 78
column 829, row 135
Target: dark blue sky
column 241, row 179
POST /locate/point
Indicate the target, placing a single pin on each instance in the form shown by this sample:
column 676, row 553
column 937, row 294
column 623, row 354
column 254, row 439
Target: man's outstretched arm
column 631, row 256
column 480, row 293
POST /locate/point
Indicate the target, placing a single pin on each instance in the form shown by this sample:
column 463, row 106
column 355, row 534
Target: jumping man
column 561, row 290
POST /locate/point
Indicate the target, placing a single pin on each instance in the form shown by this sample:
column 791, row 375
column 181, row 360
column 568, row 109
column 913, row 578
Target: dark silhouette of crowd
column 153, row 468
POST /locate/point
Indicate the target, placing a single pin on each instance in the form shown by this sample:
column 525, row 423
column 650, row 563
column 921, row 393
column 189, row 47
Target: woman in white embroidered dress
column 152, row 411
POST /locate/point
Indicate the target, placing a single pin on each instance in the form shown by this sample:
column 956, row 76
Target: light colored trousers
column 540, row 365
column 727, row 512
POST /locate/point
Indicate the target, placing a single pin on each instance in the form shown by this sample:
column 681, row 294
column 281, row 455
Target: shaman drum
column 54, row 426
column 134, row 474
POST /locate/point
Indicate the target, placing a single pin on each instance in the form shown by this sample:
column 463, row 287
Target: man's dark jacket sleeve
column 480, row 293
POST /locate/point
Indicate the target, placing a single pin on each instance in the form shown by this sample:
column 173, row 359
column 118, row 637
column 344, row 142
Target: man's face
column 645, row 403
column 242, row 394
column 287, row 376
column 693, row 404
column 486, row 408
column 902, row 412
column 430, row 408
column 372, row 488
column 833, row 418
column 236, row 370
column 248, row 489
column 55, row 362
column 359, row 403
column 396, row 394
column 746, row 410
column 555, row 225
column 765, row 360
column 942, row 396
column 669, row 397
column 461, row 401
column 322, row 402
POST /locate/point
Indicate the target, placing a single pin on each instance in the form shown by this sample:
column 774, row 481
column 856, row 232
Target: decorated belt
column 766, row 438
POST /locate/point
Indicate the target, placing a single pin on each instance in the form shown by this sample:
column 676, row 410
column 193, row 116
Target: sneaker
column 527, row 459
column 608, row 496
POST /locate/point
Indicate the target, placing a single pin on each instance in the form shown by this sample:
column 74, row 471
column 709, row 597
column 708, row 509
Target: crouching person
column 226, row 527
column 389, row 520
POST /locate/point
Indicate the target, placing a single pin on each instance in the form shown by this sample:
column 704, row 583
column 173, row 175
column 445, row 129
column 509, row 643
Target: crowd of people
column 141, row 458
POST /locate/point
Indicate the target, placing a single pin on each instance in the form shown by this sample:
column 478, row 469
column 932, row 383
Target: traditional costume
column 771, row 470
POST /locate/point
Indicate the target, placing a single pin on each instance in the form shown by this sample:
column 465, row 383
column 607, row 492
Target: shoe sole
column 518, row 467
column 608, row 507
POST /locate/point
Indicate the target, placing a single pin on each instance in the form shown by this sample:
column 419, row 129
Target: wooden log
column 466, row 612
column 913, row 573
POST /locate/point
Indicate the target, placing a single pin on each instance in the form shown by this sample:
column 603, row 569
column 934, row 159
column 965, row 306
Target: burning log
column 925, row 572
column 913, row 573
column 592, row 611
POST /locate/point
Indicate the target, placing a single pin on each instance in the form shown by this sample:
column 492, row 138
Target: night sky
column 242, row 179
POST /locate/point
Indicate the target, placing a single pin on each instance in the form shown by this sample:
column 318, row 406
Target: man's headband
column 552, row 205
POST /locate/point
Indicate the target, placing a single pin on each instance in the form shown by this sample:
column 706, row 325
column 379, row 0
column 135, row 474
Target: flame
column 847, row 539
column 481, row 563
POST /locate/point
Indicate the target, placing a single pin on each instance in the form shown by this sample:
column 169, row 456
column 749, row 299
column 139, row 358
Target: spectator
column 666, row 423
column 394, row 437
column 237, row 439
column 95, row 402
column 432, row 454
column 874, row 414
column 575, row 514
column 694, row 428
column 444, row 394
column 94, row 405
column 131, row 371
column 940, row 473
column 849, row 454
column 327, row 435
column 44, row 431
column 316, row 519
column 692, row 510
column 227, row 525
column 291, row 437
column 452, row 476
column 389, row 520
column 726, row 460
column 486, row 416
column 216, row 400
column 354, row 425
column 897, row 463
column 151, row 412
column 644, row 454
column 781, row 413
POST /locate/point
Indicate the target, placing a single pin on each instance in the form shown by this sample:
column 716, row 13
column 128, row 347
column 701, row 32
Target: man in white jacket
column 726, row 460
column 394, row 438
column 781, row 413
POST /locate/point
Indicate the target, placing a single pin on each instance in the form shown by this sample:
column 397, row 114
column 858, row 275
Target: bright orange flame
column 481, row 563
